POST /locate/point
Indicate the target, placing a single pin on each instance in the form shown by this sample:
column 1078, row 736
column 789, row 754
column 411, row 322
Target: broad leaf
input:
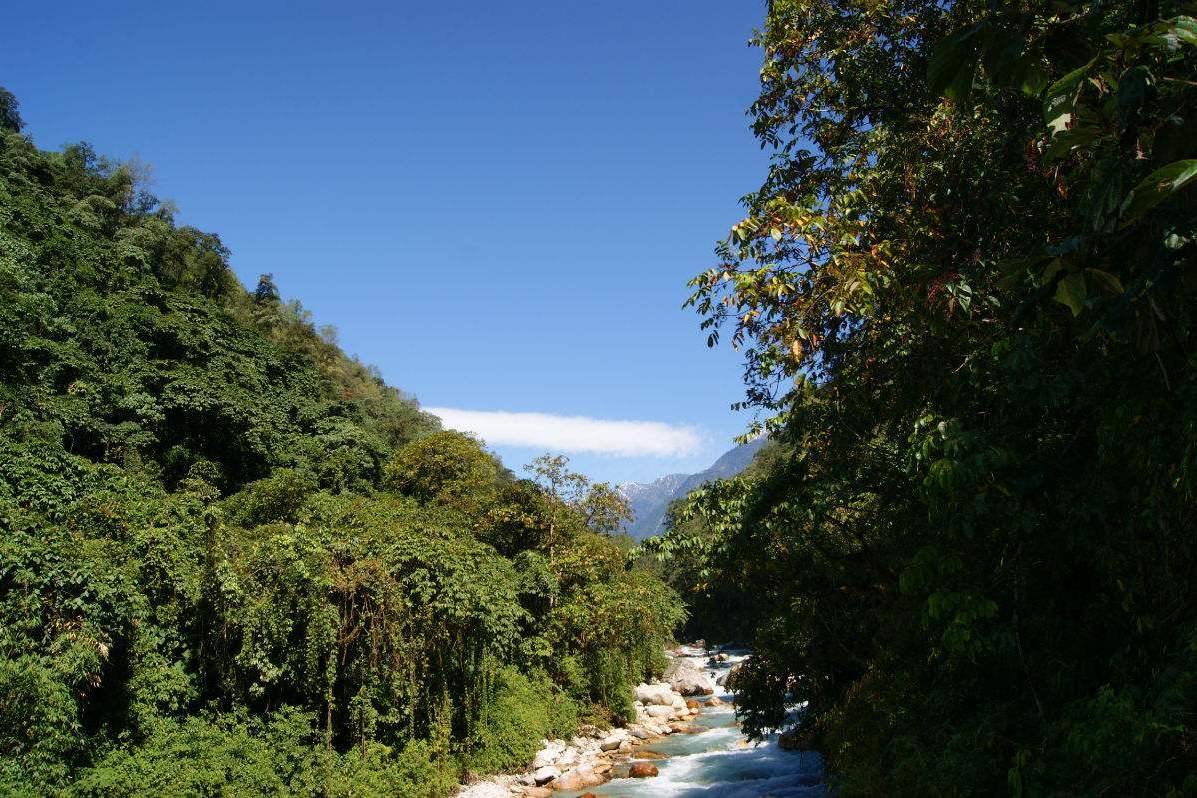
column 1071, row 292
column 1059, row 100
column 1157, row 187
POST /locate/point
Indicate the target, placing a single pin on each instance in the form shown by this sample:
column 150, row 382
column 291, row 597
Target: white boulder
column 685, row 677
column 545, row 774
column 485, row 789
column 651, row 694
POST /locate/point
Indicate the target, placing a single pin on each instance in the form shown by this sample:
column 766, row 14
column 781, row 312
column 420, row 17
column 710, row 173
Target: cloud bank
column 573, row 433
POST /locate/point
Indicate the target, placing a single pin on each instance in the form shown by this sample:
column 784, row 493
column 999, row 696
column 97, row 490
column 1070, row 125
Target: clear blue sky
column 499, row 204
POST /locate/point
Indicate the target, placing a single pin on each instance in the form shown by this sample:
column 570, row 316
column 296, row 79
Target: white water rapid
column 719, row 762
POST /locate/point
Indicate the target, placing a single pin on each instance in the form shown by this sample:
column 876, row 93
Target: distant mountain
column 650, row 500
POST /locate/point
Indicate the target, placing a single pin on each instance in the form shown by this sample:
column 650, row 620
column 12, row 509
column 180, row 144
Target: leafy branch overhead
column 964, row 294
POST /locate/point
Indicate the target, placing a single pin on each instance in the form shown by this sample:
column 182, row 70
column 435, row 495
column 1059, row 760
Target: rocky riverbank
column 593, row 756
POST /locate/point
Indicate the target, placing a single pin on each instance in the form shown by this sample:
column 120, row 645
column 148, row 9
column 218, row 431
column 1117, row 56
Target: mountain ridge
column 650, row 500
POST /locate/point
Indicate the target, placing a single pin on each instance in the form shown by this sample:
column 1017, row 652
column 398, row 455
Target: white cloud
column 573, row 433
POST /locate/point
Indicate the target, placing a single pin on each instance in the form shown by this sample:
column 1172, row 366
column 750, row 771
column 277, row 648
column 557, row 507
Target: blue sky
column 498, row 204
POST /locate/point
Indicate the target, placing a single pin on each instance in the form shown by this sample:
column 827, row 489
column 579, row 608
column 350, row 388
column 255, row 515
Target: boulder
column 485, row 789
column 650, row 694
column 658, row 711
column 579, row 778
column 642, row 770
column 610, row 743
column 687, row 678
column 549, row 754
column 538, row 792
column 569, row 757
column 692, row 704
column 545, row 774
column 728, row 679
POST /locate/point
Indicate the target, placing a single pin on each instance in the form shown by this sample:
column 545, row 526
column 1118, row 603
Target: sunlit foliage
column 234, row 561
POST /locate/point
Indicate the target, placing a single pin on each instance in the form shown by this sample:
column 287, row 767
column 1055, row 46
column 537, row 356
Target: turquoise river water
column 718, row 761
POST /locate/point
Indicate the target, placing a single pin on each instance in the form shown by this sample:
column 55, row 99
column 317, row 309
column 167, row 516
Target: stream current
column 718, row 761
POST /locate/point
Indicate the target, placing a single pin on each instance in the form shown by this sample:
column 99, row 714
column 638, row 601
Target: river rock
column 549, row 754
column 658, row 711
column 485, row 789
column 610, row 743
column 538, row 792
column 687, row 678
column 728, row 679
column 654, row 694
column 545, row 774
column 585, row 743
column 642, row 770
column 579, row 778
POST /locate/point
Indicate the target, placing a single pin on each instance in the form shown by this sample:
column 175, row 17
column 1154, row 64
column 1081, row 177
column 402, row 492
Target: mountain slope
column 650, row 500
column 234, row 561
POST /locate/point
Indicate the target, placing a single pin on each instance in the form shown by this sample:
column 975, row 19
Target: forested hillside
column 234, row 561
column 966, row 294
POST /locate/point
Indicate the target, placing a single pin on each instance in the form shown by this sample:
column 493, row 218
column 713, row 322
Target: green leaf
column 1185, row 29
column 1050, row 271
column 1071, row 292
column 1060, row 99
column 1157, row 187
column 1108, row 281
column 954, row 64
column 1068, row 140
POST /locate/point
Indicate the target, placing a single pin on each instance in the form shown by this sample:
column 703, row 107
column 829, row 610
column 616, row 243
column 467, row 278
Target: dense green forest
column 234, row 561
column 965, row 292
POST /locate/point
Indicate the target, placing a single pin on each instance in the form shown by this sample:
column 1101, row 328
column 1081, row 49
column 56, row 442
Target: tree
column 10, row 116
column 446, row 467
column 606, row 510
column 266, row 291
column 965, row 295
column 563, row 487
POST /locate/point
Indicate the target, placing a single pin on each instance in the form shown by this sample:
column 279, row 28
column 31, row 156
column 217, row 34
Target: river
column 719, row 760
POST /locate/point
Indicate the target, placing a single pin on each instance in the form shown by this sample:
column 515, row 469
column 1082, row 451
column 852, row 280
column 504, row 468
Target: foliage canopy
column 234, row 561
column 965, row 294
